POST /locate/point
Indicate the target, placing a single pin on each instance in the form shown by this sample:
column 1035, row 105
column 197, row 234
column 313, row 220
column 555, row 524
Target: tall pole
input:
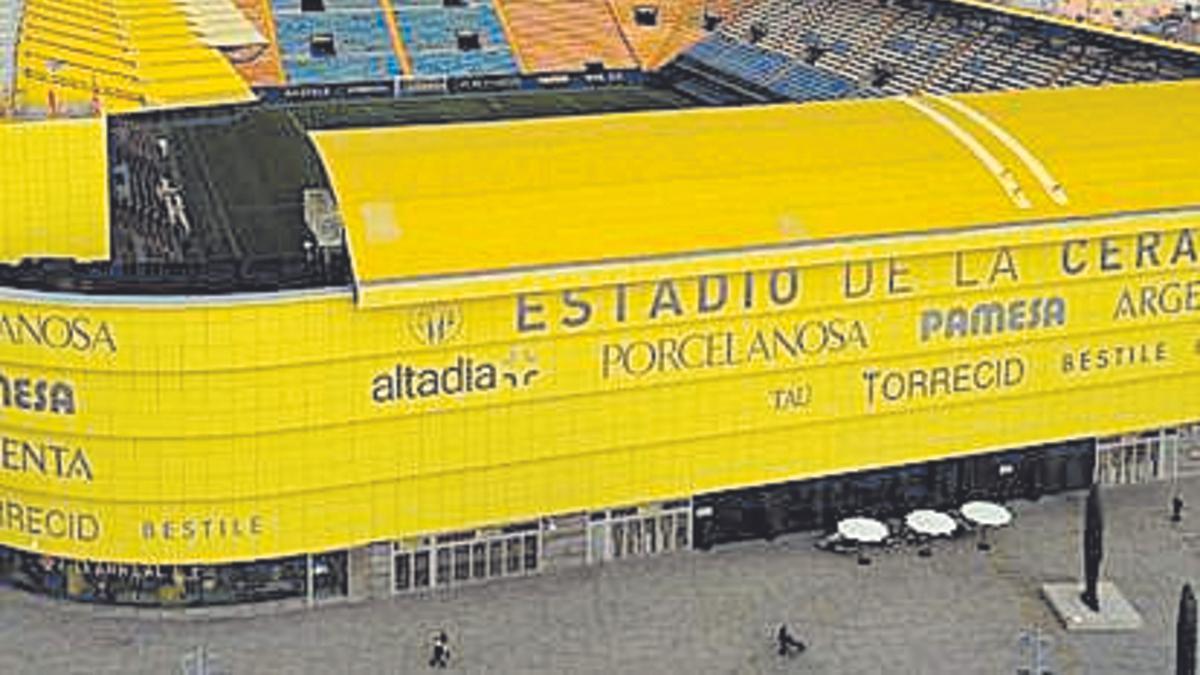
column 308, row 585
column 1093, row 548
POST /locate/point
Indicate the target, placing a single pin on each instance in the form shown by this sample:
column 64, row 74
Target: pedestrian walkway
column 960, row 611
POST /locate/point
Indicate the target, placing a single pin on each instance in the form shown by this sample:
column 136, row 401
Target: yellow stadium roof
column 53, row 190
column 439, row 202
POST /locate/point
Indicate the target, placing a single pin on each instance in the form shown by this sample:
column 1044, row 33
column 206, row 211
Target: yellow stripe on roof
column 53, row 190
column 440, row 201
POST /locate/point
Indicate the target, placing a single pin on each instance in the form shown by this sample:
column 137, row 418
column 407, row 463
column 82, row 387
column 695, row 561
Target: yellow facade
column 224, row 429
column 53, row 190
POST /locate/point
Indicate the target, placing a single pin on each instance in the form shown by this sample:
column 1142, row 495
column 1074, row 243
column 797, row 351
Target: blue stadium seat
column 802, row 82
column 362, row 45
column 358, row 68
column 430, row 33
column 744, row 61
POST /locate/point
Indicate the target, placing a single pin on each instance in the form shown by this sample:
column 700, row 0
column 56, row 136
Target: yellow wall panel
column 53, row 190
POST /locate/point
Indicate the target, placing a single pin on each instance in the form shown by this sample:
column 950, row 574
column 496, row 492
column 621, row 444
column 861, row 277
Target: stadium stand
column 220, row 23
column 822, row 49
column 449, row 37
column 119, row 55
column 10, row 16
column 549, row 35
column 334, row 41
column 258, row 64
column 214, row 203
column 658, row 31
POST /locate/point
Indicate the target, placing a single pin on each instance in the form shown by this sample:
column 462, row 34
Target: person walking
column 441, row 651
column 787, row 643
column 1177, row 509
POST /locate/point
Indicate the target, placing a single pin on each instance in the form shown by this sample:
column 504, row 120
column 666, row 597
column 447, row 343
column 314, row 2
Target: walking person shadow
column 786, row 643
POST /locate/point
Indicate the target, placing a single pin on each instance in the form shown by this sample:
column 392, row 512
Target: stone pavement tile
column 958, row 612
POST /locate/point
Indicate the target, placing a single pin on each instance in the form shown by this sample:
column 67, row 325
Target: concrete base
column 1116, row 614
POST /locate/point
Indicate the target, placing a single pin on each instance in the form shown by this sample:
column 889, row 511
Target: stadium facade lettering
column 895, row 386
column 464, row 376
column 1114, row 356
column 702, row 350
column 785, row 288
column 711, row 293
column 37, row 395
column 203, row 528
column 1148, row 250
column 44, row 458
column 55, row 331
column 35, row 520
column 987, row 318
column 1164, row 299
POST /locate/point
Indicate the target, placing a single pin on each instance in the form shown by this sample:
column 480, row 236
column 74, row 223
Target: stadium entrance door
column 1136, row 458
column 639, row 532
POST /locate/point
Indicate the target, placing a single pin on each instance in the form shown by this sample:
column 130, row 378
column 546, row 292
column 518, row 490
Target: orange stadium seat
column 258, row 64
column 550, row 35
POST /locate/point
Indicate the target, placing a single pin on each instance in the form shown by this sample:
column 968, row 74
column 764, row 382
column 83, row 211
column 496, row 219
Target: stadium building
column 347, row 299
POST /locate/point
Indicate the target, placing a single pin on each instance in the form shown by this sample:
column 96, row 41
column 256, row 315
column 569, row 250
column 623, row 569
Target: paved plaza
column 959, row 612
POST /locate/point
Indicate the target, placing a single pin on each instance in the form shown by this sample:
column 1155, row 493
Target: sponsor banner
column 454, row 481
column 403, row 86
column 223, row 463
column 444, row 376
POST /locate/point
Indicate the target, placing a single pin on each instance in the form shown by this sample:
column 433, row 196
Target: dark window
column 645, row 15
column 468, row 41
column 403, row 564
column 455, row 537
column 322, row 45
column 528, row 526
column 462, row 562
column 312, row 5
column 531, row 552
column 514, row 555
column 421, row 569
column 479, row 560
column 443, row 566
column 496, row 559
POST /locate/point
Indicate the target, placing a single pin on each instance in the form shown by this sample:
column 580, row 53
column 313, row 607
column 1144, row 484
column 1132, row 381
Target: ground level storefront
column 316, row 577
column 563, row 541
